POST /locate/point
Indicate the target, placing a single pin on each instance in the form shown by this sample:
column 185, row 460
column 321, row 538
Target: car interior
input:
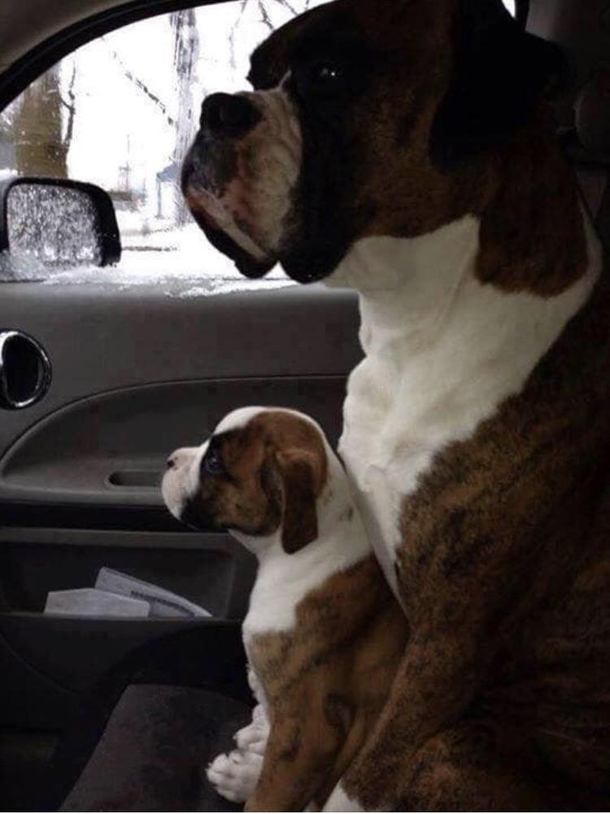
column 100, row 381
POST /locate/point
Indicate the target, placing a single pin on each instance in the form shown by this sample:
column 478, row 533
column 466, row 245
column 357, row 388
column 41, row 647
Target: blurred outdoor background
column 121, row 112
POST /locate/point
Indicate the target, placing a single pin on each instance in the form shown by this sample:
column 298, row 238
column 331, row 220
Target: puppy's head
column 368, row 117
column 259, row 473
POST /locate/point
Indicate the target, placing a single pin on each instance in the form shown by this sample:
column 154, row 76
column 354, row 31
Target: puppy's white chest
column 285, row 580
column 273, row 603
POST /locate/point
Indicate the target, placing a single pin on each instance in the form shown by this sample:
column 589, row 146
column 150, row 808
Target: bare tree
column 69, row 104
column 7, row 159
column 41, row 141
column 186, row 56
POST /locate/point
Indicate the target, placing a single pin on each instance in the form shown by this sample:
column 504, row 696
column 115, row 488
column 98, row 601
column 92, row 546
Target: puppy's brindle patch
column 325, row 682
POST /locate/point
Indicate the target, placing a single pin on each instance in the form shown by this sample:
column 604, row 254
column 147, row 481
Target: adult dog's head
column 368, row 117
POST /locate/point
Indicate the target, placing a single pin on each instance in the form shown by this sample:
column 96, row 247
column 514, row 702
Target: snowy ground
column 180, row 261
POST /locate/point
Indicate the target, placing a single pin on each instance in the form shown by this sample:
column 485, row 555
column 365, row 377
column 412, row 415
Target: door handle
column 25, row 370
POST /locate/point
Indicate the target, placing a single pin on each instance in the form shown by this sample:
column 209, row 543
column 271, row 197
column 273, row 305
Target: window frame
column 25, row 70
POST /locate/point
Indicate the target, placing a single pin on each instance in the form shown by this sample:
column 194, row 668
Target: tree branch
column 233, row 31
column 265, row 15
column 71, row 108
column 290, row 7
column 140, row 85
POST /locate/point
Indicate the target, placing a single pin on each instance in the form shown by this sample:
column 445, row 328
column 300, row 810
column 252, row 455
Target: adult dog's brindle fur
column 503, row 699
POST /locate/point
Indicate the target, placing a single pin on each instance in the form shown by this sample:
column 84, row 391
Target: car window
column 121, row 112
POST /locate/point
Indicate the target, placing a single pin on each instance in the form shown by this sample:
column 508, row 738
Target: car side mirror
column 55, row 223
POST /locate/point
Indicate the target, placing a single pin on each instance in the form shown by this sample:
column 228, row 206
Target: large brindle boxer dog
column 403, row 147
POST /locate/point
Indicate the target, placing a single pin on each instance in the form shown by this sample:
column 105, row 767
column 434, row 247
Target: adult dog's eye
column 212, row 464
column 326, row 74
column 319, row 79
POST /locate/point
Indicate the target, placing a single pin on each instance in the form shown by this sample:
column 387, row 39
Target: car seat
column 582, row 28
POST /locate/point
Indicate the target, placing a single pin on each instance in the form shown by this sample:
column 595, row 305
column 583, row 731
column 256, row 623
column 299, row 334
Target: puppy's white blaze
column 339, row 801
column 181, row 482
column 443, row 351
column 195, row 467
column 238, row 419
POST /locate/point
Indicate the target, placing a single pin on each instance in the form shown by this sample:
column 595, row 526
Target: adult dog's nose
column 226, row 115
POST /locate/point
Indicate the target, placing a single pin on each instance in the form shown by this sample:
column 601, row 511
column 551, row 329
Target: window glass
column 121, row 112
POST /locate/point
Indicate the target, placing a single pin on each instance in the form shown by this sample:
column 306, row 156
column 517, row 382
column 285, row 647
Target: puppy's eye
column 212, row 464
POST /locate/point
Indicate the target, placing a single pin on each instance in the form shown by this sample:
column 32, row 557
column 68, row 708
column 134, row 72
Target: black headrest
column 583, row 29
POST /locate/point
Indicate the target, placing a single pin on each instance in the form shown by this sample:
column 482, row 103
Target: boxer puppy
column 404, row 148
column 323, row 633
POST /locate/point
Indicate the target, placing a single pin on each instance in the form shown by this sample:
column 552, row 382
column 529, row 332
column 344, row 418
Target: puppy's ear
column 300, row 525
column 500, row 73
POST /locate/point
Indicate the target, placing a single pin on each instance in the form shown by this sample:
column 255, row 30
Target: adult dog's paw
column 235, row 776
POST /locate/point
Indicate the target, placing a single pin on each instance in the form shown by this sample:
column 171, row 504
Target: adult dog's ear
column 300, row 524
column 500, row 74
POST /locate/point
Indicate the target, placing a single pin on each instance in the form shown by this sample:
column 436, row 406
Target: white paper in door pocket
column 92, row 602
column 162, row 603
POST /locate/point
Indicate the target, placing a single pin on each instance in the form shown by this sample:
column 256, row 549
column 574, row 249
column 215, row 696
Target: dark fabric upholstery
column 207, row 658
column 155, row 748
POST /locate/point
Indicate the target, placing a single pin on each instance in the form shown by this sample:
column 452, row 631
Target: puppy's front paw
column 235, row 776
column 253, row 738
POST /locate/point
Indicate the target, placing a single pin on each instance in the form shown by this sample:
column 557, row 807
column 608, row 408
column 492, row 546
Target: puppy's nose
column 179, row 457
column 225, row 115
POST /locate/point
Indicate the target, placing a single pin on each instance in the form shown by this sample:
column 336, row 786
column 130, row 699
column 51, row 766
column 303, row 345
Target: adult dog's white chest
column 442, row 352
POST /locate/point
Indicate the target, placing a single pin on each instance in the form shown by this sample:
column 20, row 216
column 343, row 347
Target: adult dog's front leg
column 442, row 669
column 300, row 757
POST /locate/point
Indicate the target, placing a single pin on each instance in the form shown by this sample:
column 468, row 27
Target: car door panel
column 111, row 448
column 137, row 371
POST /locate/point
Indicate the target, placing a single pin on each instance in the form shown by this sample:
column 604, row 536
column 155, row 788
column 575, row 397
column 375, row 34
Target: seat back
column 582, row 27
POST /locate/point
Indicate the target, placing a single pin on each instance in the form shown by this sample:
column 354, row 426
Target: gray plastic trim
column 71, row 455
